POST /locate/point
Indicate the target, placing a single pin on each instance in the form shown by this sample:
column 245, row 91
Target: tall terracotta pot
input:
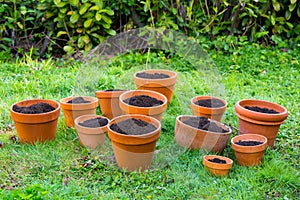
column 32, row 128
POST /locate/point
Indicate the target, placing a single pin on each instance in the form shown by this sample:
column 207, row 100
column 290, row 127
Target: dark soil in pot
column 94, row 123
column 217, row 160
column 262, row 110
column 152, row 76
column 34, row 108
column 78, row 100
column 143, row 101
column 248, row 143
column 112, row 90
column 133, row 127
column 210, row 103
column 204, row 124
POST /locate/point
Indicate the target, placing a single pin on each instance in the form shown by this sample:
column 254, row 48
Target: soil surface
column 248, row 143
column 112, row 90
column 217, row 160
column 152, row 76
column 143, row 101
column 204, row 124
column 78, row 100
column 34, row 108
column 210, row 103
column 262, row 110
column 133, row 127
column 94, row 123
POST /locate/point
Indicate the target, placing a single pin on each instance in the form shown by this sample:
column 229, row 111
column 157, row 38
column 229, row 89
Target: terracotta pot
column 134, row 152
column 249, row 155
column 90, row 137
column 251, row 122
column 155, row 111
column 73, row 110
column 217, row 169
column 164, row 86
column 33, row 128
column 212, row 113
column 109, row 102
column 193, row 138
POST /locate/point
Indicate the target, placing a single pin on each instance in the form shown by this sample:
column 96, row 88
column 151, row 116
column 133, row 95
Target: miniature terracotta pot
column 217, row 169
column 155, row 111
column 134, row 152
column 249, row 155
column 73, row 110
column 212, row 113
column 193, row 138
column 32, row 128
column 109, row 102
column 90, row 137
column 164, row 86
column 251, row 122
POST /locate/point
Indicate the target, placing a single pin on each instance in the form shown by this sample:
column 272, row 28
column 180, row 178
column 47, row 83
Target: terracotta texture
column 134, row 152
column 212, row 113
column 155, row 111
column 109, row 103
column 249, row 155
column 72, row 111
column 90, row 137
column 192, row 138
column 32, row 128
column 217, row 169
column 164, row 86
column 251, row 122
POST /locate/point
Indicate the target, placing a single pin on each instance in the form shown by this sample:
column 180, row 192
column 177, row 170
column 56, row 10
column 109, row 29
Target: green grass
column 62, row 169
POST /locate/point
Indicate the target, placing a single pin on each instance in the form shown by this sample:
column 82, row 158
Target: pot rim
column 87, row 117
column 79, row 106
column 213, row 165
column 265, row 123
column 109, row 94
column 201, row 97
column 249, row 149
column 164, row 82
column 207, row 110
column 173, row 74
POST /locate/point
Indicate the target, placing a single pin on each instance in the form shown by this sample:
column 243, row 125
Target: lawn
column 62, row 169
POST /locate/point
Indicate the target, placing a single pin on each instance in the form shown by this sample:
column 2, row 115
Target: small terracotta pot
column 109, row 102
column 134, row 152
column 164, row 86
column 193, row 138
column 212, row 113
column 251, row 122
column 32, row 128
column 155, row 111
column 217, row 169
column 249, row 155
column 90, row 137
column 73, row 110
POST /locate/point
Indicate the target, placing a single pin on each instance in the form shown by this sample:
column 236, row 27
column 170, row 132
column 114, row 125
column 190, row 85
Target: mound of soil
column 94, row 123
column 210, row 103
column 262, row 110
column 34, row 108
column 143, row 101
column 152, row 76
column 112, row 90
column 78, row 100
column 133, row 127
column 248, row 143
column 204, row 124
column 217, row 160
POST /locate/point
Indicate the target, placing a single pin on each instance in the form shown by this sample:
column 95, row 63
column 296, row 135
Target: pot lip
column 249, row 149
column 87, row 117
column 64, row 100
column 196, row 129
column 173, row 74
column 107, row 94
column 213, row 165
column 253, row 121
column 200, row 97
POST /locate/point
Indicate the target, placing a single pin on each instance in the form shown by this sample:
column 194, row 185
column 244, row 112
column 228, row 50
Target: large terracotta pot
column 217, row 169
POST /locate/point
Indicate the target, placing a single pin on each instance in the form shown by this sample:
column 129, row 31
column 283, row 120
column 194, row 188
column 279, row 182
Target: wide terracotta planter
column 73, row 110
column 249, row 155
column 32, row 128
column 164, row 86
column 134, row 152
column 155, row 111
column 90, row 137
column 251, row 122
column 193, row 138
column 217, row 169
column 212, row 113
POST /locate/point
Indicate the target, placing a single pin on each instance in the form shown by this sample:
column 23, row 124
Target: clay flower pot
column 109, row 102
column 164, row 86
column 252, row 122
column 193, row 138
column 73, row 110
column 214, row 112
column 134, row 152
column 91, row 137
column 217, row 169
column 32, row 128
column 155, row 111
column 249, row 155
